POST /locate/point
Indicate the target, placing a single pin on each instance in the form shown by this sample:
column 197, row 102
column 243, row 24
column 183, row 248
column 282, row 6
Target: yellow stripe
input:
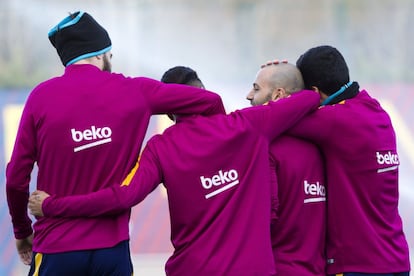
column 131, row 174
column 11, row 118
column 38, row 262
column 340, row 274
column 163, row 122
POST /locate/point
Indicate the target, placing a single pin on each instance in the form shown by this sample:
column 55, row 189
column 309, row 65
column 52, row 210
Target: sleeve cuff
column 47, row 206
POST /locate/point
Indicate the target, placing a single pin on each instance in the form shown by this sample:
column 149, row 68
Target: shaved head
column 275, row 81
column 283, row 75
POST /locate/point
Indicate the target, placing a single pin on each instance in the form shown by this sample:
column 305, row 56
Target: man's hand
column 24, row 249
column 35, row 202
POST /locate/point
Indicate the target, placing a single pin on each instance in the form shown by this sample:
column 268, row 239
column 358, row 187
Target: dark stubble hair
column 107, row 65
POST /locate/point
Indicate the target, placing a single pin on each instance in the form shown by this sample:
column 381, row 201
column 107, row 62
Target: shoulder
column 154, row 140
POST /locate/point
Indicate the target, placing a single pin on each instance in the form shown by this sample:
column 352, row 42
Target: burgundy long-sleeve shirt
column 299, row 233
column 365, row 232
column 218, row 179
column 84, row 130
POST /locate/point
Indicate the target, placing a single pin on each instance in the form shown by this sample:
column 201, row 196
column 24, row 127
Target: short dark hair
column 180, row 75
column 323, row 67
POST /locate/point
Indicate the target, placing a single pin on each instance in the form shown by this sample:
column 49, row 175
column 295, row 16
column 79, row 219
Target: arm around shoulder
column 318, row 126
column 185, row 100
column 278, row 116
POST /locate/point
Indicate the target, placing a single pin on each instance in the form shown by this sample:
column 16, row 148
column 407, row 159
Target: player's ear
column 321, row 94
column 278, row 93
column 315, row 88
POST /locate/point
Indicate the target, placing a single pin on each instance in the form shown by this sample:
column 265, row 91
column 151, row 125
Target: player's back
column 88, row 135
column 298, row 235
column 216, row 172
column 90, row 125
column 359, row 144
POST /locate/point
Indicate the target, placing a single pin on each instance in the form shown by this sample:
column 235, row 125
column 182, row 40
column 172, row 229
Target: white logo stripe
column 97, row 143
column 387, row 169
column 222, row 189
column 315, row 199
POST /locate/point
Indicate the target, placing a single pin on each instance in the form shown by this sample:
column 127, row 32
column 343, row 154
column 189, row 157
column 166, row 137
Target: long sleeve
column 113, row 199
column 18, row 175
column 274, row 191
column 276, row 117
column 317, row 126
column 183, row 99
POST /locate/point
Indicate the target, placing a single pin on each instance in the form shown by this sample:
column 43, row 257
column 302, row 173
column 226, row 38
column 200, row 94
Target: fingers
column 38, row 196
column 34, row 197
column 36, row 209
column 273, row 62
column 24, row 249
column 35, row 205
column 26, row 257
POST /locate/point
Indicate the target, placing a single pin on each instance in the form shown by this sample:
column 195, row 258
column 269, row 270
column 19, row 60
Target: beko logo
column 227, row 178
column 97, row 136
column 387, row 158
column 316, row 190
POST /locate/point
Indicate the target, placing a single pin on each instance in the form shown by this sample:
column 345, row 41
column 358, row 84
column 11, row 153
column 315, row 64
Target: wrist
column 47, row 206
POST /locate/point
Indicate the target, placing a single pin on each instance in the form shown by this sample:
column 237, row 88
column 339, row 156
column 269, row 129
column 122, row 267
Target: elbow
column 219, row 105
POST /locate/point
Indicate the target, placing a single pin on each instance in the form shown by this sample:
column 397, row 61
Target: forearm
column 316, row 127
column 18, row 173
column 185, row 99
column 103, row 202
column 107, row 201
column 275, row 118
column 17, row 202
column 111, row 200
